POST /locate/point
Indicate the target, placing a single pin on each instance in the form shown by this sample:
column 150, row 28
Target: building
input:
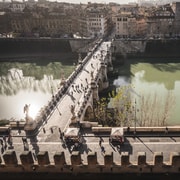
column 96, row 24
column 125, row 25
column 161, row 22
column 141, row 26
column 17, row 6
column 176, row 9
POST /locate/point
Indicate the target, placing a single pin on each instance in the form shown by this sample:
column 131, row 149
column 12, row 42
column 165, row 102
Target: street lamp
column 135, row 118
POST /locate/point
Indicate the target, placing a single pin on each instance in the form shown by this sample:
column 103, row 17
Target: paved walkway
column 61, row 117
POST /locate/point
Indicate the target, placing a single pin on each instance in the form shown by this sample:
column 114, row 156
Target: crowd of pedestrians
column 6, row 142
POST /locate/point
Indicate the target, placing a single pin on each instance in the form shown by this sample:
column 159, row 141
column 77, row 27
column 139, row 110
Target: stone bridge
column 74, row 101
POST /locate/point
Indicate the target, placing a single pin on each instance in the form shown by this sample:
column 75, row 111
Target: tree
column 122, row 109
column 115, row 110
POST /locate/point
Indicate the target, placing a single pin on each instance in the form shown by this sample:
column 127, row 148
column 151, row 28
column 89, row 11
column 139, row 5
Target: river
column 152, row 83
column 155, row 86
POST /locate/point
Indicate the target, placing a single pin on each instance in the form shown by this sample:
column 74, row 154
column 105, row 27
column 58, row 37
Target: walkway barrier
column 26, row 163
column 5, row 129
column 144, row 130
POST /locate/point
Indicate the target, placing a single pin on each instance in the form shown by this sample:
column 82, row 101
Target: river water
column 152, row 83
column 29, row 83
column 155, row 86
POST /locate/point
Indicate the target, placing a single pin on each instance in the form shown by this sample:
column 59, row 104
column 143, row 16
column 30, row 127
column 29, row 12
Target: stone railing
column 9, row 163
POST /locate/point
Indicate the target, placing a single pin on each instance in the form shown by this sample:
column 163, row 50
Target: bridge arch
column 100, row 84
column 89, row 113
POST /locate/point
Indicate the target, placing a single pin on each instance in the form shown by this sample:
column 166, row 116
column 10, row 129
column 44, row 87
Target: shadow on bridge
column 33, row 141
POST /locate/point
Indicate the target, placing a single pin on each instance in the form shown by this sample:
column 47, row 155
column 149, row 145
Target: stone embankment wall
column 147, row 48
column 11, row 47
column 9, row 163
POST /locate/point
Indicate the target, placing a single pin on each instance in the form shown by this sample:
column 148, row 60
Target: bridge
column 74, row 101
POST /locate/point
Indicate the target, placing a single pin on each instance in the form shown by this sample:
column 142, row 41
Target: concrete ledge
column 101, row 129
column 163, row 129
column 17, row 124
column 92, row 166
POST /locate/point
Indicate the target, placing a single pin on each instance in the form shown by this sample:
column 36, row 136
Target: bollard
column 175, row 159
column 158, row 158
column 51, row 130
column 125, row 159
column 10, row 158
column 76, row 158
column 92, row 158
column 141, row 158
column 59, row 158
column 108, row 159
column 26, row 158
column 43, row 158
column 44, row 130
column 59, row 130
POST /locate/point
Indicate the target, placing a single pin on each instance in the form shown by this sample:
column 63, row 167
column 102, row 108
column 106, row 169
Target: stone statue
column 26, row 109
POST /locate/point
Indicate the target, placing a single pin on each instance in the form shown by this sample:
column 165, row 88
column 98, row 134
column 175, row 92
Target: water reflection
column 166, row 74
column 15, row 81
column 157, row 85
column 17, row 90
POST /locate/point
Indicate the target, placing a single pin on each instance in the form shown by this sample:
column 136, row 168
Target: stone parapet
column 59, row 158
column 26, row 158
column 10, row 158
column 9, row 163
column 43, row 158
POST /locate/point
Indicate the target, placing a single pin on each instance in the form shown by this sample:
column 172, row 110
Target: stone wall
column 11, row 47
column 9, row 163
column 147, row 48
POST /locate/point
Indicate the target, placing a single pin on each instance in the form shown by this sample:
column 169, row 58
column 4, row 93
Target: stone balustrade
column 9, row 163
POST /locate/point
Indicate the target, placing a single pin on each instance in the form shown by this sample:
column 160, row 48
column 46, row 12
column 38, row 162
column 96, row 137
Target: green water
column 158, row 84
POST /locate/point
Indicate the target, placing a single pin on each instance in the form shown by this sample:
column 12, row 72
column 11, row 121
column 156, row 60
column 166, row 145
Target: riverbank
column 146, row 48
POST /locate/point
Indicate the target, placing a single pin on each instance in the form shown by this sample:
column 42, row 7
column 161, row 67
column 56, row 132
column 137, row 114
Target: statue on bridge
column 26, row 109
column 92, row 76
column 30, row 123
column 73, row 110
column 63, row 80
column 73, row 118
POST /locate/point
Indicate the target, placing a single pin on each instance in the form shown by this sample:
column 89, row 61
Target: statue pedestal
column 73, row 119
column 30, row 124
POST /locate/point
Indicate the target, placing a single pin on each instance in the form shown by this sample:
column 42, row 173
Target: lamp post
column 135, row 117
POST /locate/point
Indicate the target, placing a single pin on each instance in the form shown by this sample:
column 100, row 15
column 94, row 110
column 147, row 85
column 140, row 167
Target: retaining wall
column 157, row 165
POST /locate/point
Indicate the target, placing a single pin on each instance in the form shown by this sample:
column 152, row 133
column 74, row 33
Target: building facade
column 176, row 9
column 125, row 25
column 161, row 22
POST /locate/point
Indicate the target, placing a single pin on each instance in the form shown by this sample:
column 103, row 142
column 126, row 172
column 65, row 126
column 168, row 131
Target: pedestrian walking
column 103, row 149
column 9, row 140
column 1, row 142
column 100, row 142
column 4, row 139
